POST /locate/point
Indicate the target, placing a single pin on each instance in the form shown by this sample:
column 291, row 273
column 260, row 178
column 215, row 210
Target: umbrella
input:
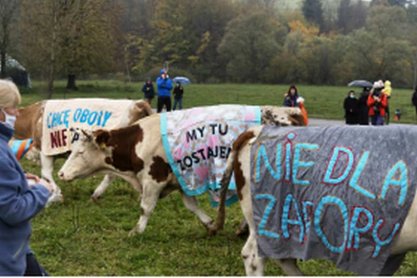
column 182, row 80
column 360, row 83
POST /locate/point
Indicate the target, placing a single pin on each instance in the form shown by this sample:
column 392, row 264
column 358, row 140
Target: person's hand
column 47, row 185
column 32, row 177
column 39, row 181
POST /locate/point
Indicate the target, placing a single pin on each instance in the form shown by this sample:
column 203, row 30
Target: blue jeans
column 179, row 102
column 377, row 120
column 33, row 268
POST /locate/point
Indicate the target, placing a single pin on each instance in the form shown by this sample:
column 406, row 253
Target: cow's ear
column 144, row 107
column 102, row 137
column 297, row 120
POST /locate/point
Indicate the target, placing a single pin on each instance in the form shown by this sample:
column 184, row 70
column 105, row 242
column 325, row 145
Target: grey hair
column 9, row 94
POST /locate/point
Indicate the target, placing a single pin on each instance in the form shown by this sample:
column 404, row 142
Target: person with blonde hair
column 22, row 195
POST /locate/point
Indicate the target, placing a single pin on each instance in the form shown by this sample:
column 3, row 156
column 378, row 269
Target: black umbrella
column 360, row 83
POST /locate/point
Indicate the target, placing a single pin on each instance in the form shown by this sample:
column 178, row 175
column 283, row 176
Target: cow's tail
column 230, row 165
column 227, row 175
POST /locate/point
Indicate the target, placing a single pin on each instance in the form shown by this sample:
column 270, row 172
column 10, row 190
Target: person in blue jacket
column 22, row 195
column 164, row 85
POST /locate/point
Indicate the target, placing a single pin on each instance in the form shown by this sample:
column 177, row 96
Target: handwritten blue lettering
column 297, row 163
column 264, row 221
column 92, row 118
column 262, row 155
column 306, row 214
column 355, row 231
column 331, row 200
column 379, row 242
column 328, row 179
column 285, row 221
column 402, row 182
column 356, row 174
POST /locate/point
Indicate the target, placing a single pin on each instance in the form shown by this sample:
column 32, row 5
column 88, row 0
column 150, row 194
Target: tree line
column 249, row 41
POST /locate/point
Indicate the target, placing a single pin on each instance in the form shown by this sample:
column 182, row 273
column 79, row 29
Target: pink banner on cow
column 198, row 141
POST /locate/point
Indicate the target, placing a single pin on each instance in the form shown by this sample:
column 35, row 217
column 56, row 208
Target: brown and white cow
column 29, row 125
column 239, row 163
column 136, row 154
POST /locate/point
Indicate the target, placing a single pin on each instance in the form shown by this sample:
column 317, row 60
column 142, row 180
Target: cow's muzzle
column 62, row 176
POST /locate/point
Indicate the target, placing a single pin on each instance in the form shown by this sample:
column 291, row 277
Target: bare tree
column 8, row 10
column 72, row 37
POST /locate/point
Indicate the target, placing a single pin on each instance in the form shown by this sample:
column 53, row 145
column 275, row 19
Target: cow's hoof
column 55, row 198
column 211, row 228
column 133, row 232
column 242, row 231
column 211, row 231
column 95, row 198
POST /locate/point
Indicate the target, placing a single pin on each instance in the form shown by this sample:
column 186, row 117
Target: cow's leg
column 191, row 204
column 243, row 229
column 392, row 264
column 254, row 265
column 47, row 166
column 107, row 180
column 289, row 266
column 148, row 202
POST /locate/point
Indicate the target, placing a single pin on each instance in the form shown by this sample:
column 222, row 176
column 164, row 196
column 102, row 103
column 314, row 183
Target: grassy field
column 79, row 237
column 324, row 102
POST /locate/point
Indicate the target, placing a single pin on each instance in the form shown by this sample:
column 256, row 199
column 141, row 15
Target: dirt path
column 324, row 122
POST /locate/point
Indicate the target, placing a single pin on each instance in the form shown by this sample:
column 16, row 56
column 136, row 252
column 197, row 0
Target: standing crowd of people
column 372, row 106
column 164, row 86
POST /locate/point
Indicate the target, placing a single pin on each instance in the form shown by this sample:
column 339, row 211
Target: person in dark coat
column 363, row 109
column 178, row 93
column 351, row 108
column 148, row 90
column 414, row 99
column 291, row 97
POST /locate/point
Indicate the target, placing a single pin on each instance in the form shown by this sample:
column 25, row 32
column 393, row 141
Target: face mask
column 9, row 120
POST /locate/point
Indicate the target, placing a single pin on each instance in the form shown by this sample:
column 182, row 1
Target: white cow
column 136, row 154
column 29, row 125
column 239, row 163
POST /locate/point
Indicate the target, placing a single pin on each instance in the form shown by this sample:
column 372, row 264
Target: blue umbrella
column 182, row 80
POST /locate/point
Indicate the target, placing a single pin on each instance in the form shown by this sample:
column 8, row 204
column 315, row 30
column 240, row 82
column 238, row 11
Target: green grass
column 79, row 237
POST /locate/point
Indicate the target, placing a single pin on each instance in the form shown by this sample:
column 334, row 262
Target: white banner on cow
column 198, row 141
column 89, row 114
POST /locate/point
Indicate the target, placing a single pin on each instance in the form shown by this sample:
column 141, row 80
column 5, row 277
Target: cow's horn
column 89, row 137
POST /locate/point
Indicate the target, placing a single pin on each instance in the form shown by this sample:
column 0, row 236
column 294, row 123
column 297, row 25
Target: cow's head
column 100, row 150
column 281, row 116
column 87, row 156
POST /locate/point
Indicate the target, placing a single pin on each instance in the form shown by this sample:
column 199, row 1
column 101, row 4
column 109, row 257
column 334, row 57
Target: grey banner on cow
column 340, row 193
